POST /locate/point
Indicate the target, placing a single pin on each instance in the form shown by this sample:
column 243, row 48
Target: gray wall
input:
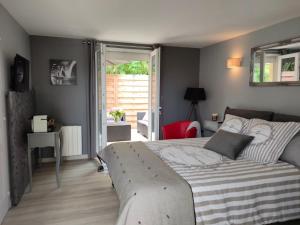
column 67, row 104
column 230, row 87
column 13, row 39
column 179, row 70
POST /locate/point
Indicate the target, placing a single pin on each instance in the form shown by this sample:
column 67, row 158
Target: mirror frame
column 266, row 46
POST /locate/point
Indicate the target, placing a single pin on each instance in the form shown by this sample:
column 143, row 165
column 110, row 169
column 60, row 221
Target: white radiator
column 71, row 140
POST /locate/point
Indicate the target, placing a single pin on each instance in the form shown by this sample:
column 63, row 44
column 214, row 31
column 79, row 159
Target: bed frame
column 249, row 114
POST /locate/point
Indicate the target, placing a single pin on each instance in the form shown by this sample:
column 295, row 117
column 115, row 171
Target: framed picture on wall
column 288, row 67
column 63, row 72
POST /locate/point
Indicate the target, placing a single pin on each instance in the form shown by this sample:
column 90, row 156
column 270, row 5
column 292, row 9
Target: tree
column 133, row 67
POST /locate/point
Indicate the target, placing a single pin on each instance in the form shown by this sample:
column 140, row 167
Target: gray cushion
column 285, row 118
column 143, row 122
column 250, row 114
column 228, row 144
column 291, row 153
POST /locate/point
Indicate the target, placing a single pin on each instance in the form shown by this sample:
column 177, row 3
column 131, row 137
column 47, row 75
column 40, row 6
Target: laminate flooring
column 86, row 197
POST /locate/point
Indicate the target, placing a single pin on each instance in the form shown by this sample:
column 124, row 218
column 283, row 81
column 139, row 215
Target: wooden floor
column 86, row 197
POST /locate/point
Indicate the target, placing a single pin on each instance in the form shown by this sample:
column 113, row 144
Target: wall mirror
column 276, row 64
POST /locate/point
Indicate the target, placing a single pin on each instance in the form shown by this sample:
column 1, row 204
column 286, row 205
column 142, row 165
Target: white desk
column 42, row 140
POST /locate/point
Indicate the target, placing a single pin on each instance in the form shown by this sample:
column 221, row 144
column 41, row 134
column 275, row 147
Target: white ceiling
column 192, row 23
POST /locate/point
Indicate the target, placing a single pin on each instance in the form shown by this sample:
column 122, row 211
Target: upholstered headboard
column 20, row 109
column 285, row 118
column 250, row 114
column 264, row 115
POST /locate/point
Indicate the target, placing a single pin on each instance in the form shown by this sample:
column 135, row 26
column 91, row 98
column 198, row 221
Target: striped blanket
column 239, row 192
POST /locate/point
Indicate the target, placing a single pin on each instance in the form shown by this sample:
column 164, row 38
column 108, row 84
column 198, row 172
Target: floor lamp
column 194, row 95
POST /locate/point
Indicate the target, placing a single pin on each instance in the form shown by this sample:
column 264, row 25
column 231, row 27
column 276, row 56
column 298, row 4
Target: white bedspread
column 240, row 192
column 190, row 155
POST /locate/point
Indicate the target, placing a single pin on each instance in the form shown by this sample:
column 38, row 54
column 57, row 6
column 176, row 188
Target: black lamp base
column 100, row 167
column 193, row 110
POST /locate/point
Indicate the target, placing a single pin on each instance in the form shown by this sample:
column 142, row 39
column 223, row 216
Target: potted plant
column 117, row 114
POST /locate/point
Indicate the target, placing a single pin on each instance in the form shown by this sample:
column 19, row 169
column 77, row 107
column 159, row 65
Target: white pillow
column 234, row 124
column 145, row 117
column 195, row 124
column 270, row 139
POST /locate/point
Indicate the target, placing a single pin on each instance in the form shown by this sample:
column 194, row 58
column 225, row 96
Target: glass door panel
column 101, row 96
column 154, row 93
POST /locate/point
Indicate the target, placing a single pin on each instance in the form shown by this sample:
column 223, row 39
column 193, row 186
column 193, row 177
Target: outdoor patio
column 135, row 136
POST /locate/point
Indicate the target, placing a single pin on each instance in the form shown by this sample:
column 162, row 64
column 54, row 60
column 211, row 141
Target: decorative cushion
column 250, row 114
column 143, row 122
column 234, row 124
column 270, row 139
column 196, row 125
column 228, row 144
column 291, row 153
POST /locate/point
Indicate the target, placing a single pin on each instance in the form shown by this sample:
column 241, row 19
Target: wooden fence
column 128, row 92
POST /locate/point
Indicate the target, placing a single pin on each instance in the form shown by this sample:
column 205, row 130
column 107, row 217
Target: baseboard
column 66, row 158
column 4, row 207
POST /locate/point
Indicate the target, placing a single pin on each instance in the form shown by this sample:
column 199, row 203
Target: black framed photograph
column 63, row 72
column 20, row 74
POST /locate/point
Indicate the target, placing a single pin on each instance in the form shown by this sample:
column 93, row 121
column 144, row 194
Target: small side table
column 210, row 127
column 118, row 131
column 42, row 140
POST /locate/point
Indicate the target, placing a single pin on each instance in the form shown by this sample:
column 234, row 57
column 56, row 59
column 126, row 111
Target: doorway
column 128, row 80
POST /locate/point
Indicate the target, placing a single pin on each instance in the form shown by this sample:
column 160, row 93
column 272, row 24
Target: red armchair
column 178, row 130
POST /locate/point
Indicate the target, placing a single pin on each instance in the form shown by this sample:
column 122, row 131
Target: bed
column 153, row 190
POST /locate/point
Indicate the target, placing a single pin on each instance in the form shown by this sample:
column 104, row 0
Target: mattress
column 240, row 191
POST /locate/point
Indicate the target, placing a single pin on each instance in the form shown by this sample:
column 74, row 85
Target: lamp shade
column 233, row 62
column 195, row 94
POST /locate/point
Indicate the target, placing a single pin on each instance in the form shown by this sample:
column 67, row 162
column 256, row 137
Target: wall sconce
column 233, row 63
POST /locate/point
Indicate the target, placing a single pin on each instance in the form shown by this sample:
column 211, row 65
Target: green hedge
column 134, row 67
